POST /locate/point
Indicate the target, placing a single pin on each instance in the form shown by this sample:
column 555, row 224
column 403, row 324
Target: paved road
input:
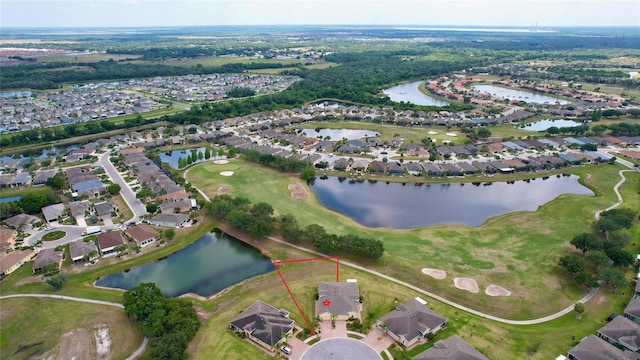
column 138, row 351
column 128, row 195
column 73, row 233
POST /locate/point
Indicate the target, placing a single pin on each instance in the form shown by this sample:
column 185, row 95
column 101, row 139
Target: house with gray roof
column 451, row 348
column 79, row 209
column 80, row 249
column 411, row 322
column 105, row 209
column 45, row 258
column 339, row 299
column 26, row 221
column 53, row 212
column 21, row 179
column 594, row 348
column 632, row 311
column 41, row 176
column 169, row 220
column 432, row 169
column 89, row 187
column 623, row 332
column 263, row 324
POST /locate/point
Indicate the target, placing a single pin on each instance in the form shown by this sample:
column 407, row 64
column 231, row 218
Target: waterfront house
column 451, row 348
column 108, row 241
column 142, row 234
column 47, row 258
column 338, row 300
column 411, row 322
column 263, row 324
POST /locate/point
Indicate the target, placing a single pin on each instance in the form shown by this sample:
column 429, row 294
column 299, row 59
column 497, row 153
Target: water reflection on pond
column 394, row 205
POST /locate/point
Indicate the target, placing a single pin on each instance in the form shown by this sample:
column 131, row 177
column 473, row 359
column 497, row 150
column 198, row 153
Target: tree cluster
column 240, row 92
column 258, row 219
column 170, row 323
column 603, row 257
column 276, row 162
column 350, row 244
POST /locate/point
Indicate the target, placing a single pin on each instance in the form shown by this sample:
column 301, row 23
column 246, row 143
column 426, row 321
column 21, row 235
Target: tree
column 261, row 209
column 579, row 309
column 152, row 208
column 620, row 257
column 56, row 281
column 169, row 234
column 145, row 304
column 614, row 278
column 260, row 227
column 586, row 242
column 207, row 153
column 55, row 182
column 588, row 147
column 289, row 228
column 308, row 173
column 113, row 189
column 315, row 232
column 572, row 263
column 483, row 132
column 596, row 115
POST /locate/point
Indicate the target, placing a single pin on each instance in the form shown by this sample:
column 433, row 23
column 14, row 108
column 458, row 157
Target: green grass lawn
column 388, row 132
column 518, row 251
column 34, row 327
column 53, row 235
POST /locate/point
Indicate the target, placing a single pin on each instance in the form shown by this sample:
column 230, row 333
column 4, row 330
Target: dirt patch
column 495, row 290
column 103, row 341
column 75, row 345
column 223, row 189
column 467, row 284
column 297, row 191
column 435, row 273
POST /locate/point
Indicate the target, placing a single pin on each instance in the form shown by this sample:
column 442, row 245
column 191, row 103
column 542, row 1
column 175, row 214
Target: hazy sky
column 70, row 13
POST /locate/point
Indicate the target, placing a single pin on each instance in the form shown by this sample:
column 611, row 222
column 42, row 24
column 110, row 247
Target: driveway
column 377, row 339
column 298, row 347
column 328, row 332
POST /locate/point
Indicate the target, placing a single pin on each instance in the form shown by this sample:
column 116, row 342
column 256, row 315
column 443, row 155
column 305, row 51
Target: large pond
column 543, row 125
column 408, row 92
column 9, row 94
column 210, row 264
column 513, row 94
column 10, row 199
column 339, row 134
column 394, row 205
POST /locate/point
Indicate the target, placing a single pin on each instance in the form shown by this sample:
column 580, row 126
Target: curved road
column 99, row 302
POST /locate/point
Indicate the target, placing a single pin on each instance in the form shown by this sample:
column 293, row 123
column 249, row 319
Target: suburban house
column 13, row 260
column 105, row 209
column 180, row 205
column 411, row 322
column 263, row 324
column 108, row 241
column 79, row 209
column 169, row 220
column 592, row 347
column 451, row 348
column 7, row 239
column 623, row 332
column 142, row 234
column 80, row 250
column 632, row 311
column 339, row 300
column 53, row 212
column 27, row 222
column 41, row 176
column 47, row 257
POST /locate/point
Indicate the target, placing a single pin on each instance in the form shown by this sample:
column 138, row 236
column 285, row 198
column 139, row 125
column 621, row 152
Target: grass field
column 36, row 328
column 388, row 132
column 518, row 251
column 496, row 341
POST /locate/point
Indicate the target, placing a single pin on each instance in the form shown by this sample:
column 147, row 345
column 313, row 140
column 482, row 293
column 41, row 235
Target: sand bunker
column 226, row 173
column 435, row 273
column 432, row 132
column 495, row 290
column 451, row 134
column 297, row 191
column 223, row 189
column 221, row 162
column 468, row 284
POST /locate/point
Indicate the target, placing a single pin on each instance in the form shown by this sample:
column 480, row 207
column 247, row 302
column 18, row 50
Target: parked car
column 286, row 350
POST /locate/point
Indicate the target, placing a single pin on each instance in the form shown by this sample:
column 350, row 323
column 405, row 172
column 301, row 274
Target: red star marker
column 326, row 303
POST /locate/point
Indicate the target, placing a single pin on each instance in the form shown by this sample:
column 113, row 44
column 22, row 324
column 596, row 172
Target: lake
column 339, row 134
column 513, row 94
column 545, row 124
column 40, row 154
column 394, row 205
column 209, row 265
column 173, row 157
column 408, row 92
column 8, row 94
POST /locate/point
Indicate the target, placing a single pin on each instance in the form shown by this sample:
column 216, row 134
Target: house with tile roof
column 142, row 234
column 80, row 250
column 339, row 300
column 46, row 258
column 263, row 324
column 594, row 348
column 108, row 241
column 451, row 348
column 13, row 260
column 411, row 322
column 623, row 332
